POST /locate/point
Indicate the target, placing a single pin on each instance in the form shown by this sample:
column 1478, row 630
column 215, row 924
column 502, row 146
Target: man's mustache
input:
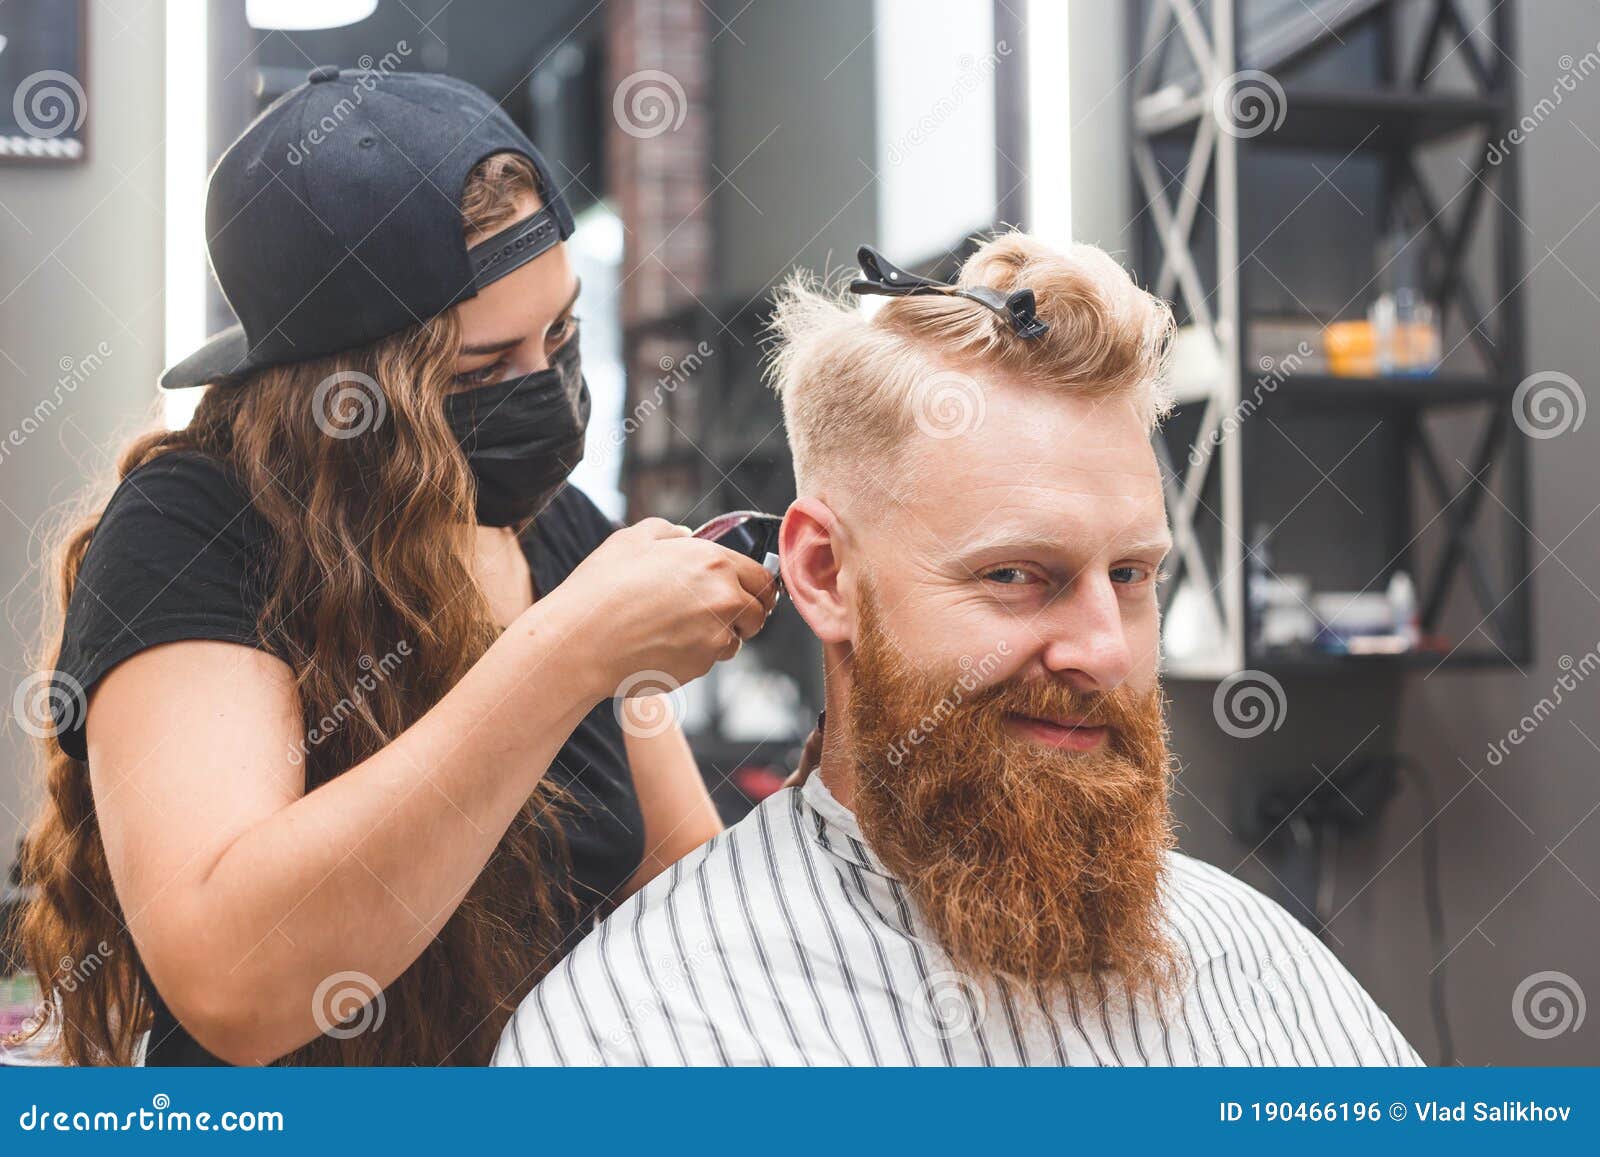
column 1123, row 711
column 1038, row 698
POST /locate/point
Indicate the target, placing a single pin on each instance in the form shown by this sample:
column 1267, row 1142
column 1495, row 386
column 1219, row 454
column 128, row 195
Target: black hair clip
column 881, row 276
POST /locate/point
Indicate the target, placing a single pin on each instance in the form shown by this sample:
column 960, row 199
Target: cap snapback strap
column 513, row 247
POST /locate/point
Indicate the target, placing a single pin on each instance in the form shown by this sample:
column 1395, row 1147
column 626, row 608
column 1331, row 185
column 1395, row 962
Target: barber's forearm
column 359, row 874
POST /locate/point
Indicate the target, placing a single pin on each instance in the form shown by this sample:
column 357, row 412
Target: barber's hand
column 652, row 598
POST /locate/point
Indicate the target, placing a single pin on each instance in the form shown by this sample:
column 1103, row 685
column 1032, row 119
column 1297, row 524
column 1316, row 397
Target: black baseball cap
column 335, row 219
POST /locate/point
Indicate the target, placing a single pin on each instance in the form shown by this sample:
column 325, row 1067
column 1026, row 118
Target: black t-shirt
column 180, row 553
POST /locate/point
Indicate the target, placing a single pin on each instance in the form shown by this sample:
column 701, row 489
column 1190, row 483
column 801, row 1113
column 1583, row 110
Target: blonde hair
column 854, row 388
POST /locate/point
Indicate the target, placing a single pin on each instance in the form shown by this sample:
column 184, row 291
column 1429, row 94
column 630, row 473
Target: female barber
column 337, row 764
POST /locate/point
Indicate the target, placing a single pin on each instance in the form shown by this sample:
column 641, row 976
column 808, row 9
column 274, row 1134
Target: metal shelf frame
column 1403, row 115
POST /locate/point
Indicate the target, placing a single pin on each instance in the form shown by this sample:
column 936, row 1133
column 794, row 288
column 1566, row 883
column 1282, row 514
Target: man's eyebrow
column 1155, row 544
column 494, row 347
column 1016, row 539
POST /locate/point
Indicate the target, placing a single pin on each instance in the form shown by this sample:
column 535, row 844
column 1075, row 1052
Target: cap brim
column 225, row 354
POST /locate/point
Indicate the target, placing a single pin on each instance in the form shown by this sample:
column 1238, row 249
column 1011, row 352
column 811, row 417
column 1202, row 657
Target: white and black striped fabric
column 785, row 942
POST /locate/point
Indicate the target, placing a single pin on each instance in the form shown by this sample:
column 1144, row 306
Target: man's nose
column 1086, row 641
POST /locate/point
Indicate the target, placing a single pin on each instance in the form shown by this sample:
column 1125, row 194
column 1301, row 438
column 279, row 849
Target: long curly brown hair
column 368, row 536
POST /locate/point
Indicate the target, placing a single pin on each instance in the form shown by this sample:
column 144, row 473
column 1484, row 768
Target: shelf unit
column 1392, row 93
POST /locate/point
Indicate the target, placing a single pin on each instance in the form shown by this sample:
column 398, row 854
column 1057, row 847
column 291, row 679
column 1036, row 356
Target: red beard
column 1024, row 861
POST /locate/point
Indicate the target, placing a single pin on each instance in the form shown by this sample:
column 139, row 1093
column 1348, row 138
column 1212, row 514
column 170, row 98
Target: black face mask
column 522, row 436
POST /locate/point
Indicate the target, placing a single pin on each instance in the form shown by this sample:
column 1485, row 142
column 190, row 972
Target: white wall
column 80, row 265
column 935, row 62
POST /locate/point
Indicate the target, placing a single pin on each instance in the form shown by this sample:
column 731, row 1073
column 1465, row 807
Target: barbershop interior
column 1377, row 226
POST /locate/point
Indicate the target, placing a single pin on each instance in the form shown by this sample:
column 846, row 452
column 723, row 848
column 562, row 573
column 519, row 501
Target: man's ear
column 810, row 552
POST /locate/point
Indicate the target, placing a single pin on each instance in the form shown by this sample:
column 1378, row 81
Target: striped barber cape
column 784, row 941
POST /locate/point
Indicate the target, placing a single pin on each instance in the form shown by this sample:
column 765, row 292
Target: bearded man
column 981, row 870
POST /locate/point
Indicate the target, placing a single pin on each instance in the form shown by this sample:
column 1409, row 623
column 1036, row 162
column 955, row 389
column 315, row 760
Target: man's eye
column 1129, row 575
column 1008, row 575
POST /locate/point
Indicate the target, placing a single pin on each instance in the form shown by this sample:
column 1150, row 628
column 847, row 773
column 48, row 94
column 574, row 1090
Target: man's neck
column 837, row 767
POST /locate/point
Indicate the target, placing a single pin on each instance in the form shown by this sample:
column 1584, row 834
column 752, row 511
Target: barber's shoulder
column 182, row 490
column 177, row 470
column 181, row 520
